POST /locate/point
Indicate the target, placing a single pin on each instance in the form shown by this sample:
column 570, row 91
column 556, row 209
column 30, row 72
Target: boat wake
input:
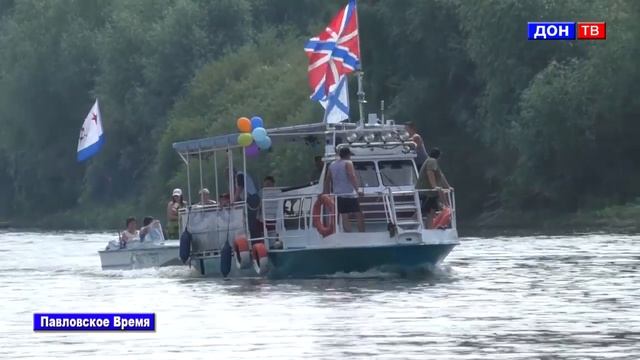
column 437, row 274
column 168, row 272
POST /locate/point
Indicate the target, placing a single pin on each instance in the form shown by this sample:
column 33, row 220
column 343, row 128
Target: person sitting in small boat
column 176, row 203
column 204, row 198
column 151, row 230
column 131, row 233
column 431, row 180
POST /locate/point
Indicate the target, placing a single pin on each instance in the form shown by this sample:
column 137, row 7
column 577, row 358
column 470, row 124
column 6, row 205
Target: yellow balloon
column 245, row 139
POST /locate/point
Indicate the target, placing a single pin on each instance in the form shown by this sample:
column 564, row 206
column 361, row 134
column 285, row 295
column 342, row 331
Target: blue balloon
column 256, row 122
column 259, row 134
column 264, row 144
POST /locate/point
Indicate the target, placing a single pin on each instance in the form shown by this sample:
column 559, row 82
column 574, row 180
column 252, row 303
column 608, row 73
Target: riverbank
column 84, row 217
column 612, row 219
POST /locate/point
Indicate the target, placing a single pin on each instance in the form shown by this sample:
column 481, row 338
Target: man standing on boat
column 341, row 180
column 430, row 181
column 173, row 206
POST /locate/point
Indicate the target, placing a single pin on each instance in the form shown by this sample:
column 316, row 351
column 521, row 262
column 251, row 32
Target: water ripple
column 527, row 297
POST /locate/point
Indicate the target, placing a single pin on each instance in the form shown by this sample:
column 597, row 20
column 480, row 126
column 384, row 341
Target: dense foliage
column 523, row 125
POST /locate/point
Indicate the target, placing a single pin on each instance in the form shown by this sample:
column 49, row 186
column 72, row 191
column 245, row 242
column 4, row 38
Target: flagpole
column 361, row 99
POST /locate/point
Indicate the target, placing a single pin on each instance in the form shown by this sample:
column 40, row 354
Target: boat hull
column 124, row 259
column 314, row 262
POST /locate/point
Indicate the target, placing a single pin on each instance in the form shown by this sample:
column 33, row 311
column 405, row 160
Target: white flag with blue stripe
column 91, row 136
column 336, row 104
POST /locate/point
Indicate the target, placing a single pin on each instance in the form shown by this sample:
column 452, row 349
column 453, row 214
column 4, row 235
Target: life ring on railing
column 260, row 258
column 328, row 228
column 241, row 251
column 442, row 220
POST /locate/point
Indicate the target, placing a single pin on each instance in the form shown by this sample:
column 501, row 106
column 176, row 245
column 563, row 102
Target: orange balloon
column 244, row 124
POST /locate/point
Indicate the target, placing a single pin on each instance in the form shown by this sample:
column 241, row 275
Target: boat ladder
column 404, row 210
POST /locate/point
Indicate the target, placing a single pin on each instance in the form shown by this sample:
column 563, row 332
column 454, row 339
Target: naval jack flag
column 336, row 104
column 91, row 137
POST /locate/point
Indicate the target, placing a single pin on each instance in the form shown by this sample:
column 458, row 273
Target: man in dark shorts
column 431, row 178
column 342, row 181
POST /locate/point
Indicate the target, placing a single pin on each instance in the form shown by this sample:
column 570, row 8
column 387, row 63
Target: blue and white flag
column 91, row 137
column 336, row 105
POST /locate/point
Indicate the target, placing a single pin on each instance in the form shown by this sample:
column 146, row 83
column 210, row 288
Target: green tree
column 47, row 72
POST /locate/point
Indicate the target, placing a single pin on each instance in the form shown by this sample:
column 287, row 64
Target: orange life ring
column 325, row 229
column 260, row 258
column 241, row 251
column 443, row 220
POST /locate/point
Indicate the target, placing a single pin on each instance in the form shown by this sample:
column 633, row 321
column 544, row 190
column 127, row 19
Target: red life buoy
column 442, row 220
column 241, row 251
column 325, row 229
column 260, row 258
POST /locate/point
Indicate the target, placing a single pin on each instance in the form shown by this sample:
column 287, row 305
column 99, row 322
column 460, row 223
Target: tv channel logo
column 567, row 30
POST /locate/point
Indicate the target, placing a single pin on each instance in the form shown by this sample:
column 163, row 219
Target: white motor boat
column 301, row 234
column 155, row 251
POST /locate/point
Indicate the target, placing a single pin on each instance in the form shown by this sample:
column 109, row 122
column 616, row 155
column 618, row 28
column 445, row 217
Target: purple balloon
column 252, row 150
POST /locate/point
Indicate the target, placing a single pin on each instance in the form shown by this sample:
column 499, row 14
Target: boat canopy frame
column 278, row 135
column 332, row 136
column 287, row 134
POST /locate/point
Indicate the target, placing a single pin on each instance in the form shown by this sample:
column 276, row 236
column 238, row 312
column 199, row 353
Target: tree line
column 526, row 125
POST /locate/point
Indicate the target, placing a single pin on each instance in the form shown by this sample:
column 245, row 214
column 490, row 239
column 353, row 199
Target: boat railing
column 212, row 225
column 399, row 210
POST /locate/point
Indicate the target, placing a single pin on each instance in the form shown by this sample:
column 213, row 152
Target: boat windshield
column 397, row 172
column 366, row 173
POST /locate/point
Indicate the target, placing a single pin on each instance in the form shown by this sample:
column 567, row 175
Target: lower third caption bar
column 94, row 322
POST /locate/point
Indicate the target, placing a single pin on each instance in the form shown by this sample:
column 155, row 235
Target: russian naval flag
column 91, row 137
column 336, row 105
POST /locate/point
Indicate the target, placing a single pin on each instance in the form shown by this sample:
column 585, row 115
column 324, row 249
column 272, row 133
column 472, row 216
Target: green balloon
column 245, row 139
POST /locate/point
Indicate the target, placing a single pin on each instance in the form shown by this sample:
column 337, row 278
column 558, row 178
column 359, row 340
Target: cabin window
column 294, row 213
column 366, row 173
column 397, row 172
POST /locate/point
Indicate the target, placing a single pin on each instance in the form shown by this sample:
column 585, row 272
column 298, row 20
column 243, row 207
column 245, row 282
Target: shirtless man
column 173, row 206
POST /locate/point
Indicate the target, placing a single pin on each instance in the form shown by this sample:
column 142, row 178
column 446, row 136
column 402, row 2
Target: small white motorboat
column 155, row 251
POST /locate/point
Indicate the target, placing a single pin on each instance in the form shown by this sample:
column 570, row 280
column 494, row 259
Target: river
column 564, row 297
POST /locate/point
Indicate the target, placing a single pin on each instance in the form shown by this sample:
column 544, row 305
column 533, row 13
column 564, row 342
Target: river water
column 572, row 297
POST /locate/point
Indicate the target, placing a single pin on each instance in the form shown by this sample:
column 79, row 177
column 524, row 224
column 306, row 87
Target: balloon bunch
column 253, row 136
